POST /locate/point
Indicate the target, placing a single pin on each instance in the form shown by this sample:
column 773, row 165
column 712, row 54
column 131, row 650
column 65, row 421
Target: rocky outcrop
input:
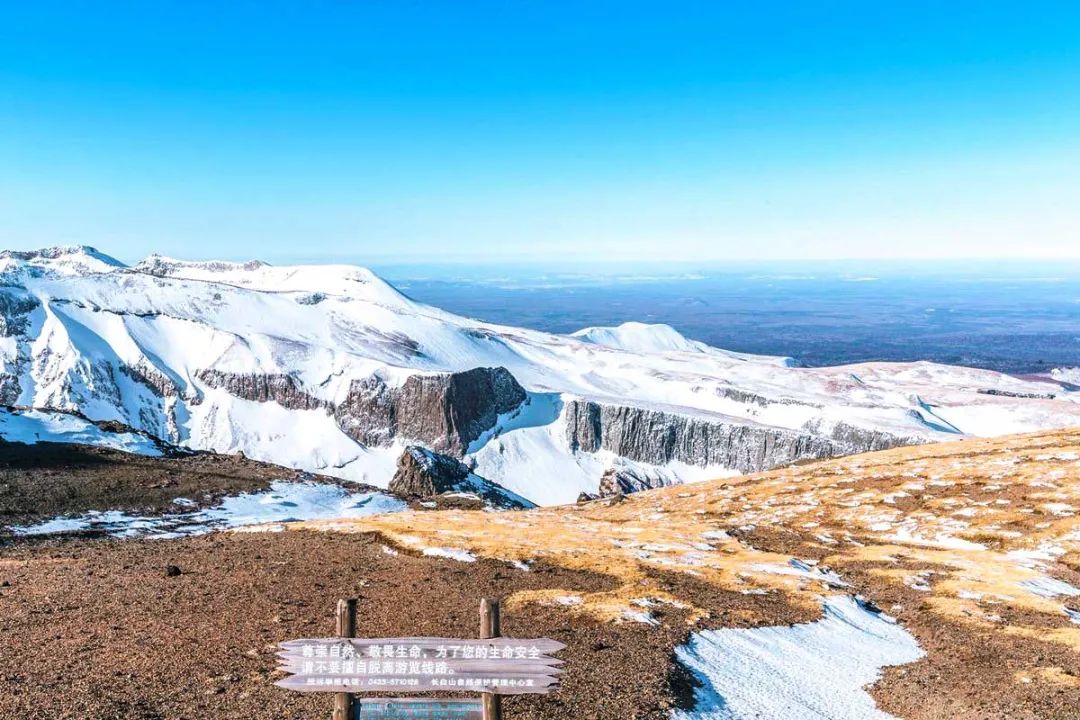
column 280, row 388
column 422, row 473
column 445, row 411
column 1022, row 395
column 623, row 481
column 658, row 437
column 750, row 398
column 15, row 311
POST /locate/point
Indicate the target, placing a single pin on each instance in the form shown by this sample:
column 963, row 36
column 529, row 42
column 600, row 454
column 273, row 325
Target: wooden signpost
column 491, row 665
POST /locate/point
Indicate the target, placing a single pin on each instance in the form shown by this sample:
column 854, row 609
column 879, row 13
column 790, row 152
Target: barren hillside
column 972, row 545
column 677, row 604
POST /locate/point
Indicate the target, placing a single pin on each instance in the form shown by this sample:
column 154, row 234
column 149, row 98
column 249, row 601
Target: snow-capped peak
column 59, row 260
column 346, row 280
column 638, row 337
column 329, row 368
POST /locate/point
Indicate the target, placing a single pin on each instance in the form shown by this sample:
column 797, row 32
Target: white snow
column 640, row 616
column 450, row 553
column 34, row 426
column 1068, row 375
column 285, row 501
column 637, row 337
column 1049, row 587
column 942, row 540
column 96, row 327
column 802, row 569
column 811, row 671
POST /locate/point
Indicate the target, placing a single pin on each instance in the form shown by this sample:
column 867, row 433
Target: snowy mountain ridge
column 331, row 369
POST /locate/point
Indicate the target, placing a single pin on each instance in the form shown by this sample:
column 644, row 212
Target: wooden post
column 346, row 628
column 489, row 628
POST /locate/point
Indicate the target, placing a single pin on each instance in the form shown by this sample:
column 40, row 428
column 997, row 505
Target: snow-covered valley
column 329, row 369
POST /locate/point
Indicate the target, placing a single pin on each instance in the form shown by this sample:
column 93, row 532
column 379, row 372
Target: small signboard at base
column 491, row 665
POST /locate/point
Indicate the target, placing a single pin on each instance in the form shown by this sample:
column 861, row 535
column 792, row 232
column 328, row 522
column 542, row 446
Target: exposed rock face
column 658, row 437
column 15, row 311
column 282, row 389
column 623, row 481
column 1006, row 393
column 422, row 473
column 743, row 396
column 445, row 411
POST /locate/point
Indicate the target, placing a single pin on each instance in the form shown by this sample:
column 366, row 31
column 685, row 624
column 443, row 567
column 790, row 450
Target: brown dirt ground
column 95, row 629
column 41, row 481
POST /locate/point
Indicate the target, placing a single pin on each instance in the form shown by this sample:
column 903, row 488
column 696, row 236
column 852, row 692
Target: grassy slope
column 939, row 535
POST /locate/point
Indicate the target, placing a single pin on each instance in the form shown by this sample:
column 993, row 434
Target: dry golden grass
column 965, row 523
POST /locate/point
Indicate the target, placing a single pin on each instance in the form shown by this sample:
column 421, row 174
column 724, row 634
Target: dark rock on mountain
column 282, row 389
column 623, row 481
column 423, row 473
column 658, row 437
column 445, row 411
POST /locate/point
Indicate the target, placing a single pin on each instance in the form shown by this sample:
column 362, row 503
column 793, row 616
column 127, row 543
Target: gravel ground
column 97, row 629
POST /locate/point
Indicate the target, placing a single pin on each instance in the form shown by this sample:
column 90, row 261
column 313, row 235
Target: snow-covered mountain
column 330, row 369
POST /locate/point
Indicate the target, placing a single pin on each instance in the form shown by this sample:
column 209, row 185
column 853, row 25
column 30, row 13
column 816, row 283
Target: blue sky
column 384, row 131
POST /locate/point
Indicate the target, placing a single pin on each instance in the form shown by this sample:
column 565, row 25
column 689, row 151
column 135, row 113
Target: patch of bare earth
column 97, row 629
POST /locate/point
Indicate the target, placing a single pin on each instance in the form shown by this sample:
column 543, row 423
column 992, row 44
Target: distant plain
column 1011, row 317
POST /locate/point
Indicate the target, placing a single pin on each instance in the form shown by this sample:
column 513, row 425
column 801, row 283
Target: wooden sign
column 417, row 709
column 492, row 665
column 504, row 666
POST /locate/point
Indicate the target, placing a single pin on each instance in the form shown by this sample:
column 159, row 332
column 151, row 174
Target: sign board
column 492, row 666
column 503, row 666
column 415, row 709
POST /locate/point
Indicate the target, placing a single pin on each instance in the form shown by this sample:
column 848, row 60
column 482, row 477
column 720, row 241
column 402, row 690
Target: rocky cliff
column 445, row 411
column 422, row 473
column 658, row 437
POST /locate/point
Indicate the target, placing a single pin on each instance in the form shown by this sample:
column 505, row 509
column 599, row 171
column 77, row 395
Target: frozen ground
column 34, row 426
column 283, row 502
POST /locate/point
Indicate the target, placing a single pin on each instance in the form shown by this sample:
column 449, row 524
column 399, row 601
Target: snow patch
column 802, row 569
column 1048, row 587
column 450, row 553
column 811, row 671
column 285, row 501
column 34, row 426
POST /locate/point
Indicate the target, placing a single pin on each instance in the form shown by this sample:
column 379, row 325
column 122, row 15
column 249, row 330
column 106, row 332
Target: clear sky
column 528, row 130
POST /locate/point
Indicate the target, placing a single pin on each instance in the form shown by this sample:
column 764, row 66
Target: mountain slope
column 332, row 370
column 972, row 546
